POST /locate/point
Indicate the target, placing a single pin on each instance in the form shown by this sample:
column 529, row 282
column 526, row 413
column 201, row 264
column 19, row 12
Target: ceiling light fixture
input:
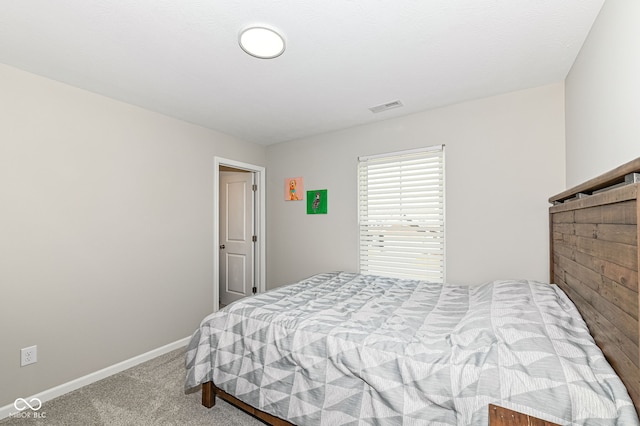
column 263, row 43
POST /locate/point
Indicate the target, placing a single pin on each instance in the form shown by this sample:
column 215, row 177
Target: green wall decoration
column 317, row 201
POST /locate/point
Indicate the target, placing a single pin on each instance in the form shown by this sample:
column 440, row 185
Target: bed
column 343, row 348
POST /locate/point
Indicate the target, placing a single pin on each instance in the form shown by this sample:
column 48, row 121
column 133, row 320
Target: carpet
column 151, row 393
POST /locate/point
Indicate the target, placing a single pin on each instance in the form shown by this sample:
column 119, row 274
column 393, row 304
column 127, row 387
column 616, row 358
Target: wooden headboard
column 594, row 259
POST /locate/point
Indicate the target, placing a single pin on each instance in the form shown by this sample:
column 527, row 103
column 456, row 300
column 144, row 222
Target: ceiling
column 181, row 57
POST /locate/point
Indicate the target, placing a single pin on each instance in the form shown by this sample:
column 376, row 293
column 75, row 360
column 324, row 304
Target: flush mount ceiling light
column 263, row 43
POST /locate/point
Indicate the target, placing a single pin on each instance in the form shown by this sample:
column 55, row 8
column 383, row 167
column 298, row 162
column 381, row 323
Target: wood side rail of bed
column 210, row 391
column 594, row 259
column 498, row 416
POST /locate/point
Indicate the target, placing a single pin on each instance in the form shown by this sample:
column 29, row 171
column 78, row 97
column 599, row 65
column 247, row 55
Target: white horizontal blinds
column 401, row 214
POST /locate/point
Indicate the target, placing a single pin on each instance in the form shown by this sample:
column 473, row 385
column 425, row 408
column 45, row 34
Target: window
column 401, row 214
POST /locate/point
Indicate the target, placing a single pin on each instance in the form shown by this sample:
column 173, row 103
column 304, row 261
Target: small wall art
column 294, row 189
column 317, row 201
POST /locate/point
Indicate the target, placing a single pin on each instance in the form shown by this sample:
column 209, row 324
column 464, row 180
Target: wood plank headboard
column 594, row 259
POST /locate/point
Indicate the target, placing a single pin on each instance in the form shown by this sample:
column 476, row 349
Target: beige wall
column 504, row 158
column 106, row 247
column 603, row 95
column 105, row 229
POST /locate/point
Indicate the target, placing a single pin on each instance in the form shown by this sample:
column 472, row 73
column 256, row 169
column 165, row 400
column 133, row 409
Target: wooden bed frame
column 594, row 259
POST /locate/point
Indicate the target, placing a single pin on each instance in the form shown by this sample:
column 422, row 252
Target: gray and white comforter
column 342, row 348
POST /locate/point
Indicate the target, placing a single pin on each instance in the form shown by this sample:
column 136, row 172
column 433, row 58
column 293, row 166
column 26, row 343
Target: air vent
column 385, row 107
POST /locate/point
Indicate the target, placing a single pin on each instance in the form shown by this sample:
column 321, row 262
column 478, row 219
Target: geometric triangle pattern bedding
column 348, row 349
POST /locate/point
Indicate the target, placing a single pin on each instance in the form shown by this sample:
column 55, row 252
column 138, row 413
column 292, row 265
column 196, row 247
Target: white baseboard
column 54, row 392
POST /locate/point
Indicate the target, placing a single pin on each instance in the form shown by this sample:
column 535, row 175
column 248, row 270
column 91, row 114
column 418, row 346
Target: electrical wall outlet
column 28, row 355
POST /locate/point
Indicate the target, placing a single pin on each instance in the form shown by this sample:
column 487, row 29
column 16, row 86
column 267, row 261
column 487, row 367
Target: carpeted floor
column 151, row 393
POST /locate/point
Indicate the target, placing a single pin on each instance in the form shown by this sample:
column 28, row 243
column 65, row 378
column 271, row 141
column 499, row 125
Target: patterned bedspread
column 341, row 348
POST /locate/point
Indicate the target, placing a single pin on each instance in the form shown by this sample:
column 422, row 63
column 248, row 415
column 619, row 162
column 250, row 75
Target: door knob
column 221, row 246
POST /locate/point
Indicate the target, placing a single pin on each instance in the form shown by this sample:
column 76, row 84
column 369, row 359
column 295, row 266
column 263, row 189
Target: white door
column 236, row 232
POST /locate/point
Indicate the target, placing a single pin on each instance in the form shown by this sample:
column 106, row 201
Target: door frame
column 259, row 257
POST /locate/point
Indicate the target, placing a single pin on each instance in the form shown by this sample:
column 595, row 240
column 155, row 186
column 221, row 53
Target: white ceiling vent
column 387, row 106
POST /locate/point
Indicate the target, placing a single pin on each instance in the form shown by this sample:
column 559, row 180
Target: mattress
column 342, row 348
